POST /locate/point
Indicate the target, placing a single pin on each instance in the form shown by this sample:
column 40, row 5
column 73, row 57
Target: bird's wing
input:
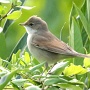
column 51, row 44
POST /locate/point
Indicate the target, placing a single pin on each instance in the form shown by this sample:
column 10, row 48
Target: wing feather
column 51, row 44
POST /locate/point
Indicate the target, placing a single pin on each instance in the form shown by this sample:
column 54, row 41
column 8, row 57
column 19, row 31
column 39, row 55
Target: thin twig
column 7, row 12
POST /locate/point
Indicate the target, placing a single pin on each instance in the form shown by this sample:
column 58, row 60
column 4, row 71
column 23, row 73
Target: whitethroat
column 43, row 45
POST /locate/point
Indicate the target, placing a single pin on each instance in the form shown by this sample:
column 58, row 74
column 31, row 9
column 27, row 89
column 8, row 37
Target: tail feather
column 82, row 55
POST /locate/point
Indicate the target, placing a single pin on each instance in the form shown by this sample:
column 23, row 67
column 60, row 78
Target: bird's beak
column 22, row 24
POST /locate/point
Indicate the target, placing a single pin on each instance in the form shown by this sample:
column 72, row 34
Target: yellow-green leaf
column 27, row 57
column 14, row 15
column 87, row 62
column 74, row 69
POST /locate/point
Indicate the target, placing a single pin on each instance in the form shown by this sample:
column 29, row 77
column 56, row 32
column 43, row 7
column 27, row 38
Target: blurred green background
column 54, row 12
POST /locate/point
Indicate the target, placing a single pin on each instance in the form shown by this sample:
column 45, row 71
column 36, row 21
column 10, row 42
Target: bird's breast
column 39, row 54
column 29, row 39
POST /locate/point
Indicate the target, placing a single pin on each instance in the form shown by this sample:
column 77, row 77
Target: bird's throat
column 29, row 30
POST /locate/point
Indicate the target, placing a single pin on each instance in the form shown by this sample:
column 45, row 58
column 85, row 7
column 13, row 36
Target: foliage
column 21, row 71
column 25, row 73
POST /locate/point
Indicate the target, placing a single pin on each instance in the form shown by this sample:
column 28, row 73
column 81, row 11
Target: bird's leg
column 46, row 68
column 49, row 72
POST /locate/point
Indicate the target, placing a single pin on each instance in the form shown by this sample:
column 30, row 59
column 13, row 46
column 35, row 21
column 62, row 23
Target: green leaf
column 33, row 88
column 76, row 82
column 73, row 69
column 72, row 14
column 15, row 57
column 52, row 88
column 1, row 29
column 56, row 81
column 76, row 40
column 3, row 49
column 37, row 66
column 2, row 10
column 6, row 79
column 58, row 68
column 83, row 20
column 26, row 7
column 20, row 45
column 19, row 82
column 5, row 1
column 15, row 87
column 22, row 62
column 87, row 80
column 88, row 10
column 16, row 2
column 87, row 62
column 51, row 81
column 19, row 2
column 27, row 57
column 0, row 61
column 7, row 24
column 69, row 86
column 14, row 15
column 3, row 71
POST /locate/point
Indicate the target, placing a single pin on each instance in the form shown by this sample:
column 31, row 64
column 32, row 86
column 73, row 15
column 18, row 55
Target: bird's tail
column 82, row 55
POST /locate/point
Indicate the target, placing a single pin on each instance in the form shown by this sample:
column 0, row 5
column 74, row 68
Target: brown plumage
column 43, row 45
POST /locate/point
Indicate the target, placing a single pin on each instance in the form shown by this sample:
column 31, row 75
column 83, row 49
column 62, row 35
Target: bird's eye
column 31, row 24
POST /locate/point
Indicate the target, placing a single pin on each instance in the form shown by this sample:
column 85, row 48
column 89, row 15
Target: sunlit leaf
column 14, row 15
column 16, row 2
column 27, row 57
column 87, row 62
column 33, row 88
column 2, row 10
column 26, row 7
column 1, row 29
column 14, row 59
column 19, row 2
column 58, row 68
column 0, row 61
column 22, row 62
column 5, row 1
column 73, row 69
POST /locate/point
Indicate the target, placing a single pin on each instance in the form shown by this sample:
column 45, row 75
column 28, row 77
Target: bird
column 44, row 45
